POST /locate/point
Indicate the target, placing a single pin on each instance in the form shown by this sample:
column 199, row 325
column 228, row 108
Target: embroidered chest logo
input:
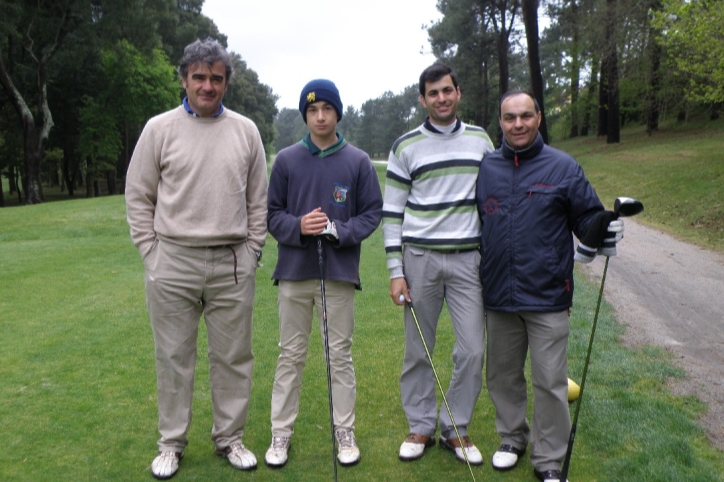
column 491, row 206
column 340, row 193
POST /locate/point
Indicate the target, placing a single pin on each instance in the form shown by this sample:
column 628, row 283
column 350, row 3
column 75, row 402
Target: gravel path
column 671, row 294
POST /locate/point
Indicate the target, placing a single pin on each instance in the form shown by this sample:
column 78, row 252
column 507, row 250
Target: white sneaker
column 347, row 450
column 277, row 454
column 506, row 457
column 239, row 456
column 414, row 446
column 471, row 451
column 165, row 465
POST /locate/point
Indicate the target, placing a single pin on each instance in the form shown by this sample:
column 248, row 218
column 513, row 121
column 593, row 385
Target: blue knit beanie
column 317, row 90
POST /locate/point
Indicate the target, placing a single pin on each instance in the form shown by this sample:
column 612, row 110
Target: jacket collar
column 526, row 153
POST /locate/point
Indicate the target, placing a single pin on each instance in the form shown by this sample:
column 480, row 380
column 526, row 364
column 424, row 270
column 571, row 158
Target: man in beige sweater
column 196, row 202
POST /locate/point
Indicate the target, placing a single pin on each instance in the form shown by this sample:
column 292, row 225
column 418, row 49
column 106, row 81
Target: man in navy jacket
column 530, row 199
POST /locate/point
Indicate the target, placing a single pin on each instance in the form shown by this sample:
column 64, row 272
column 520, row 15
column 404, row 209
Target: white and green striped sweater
column 430, row 191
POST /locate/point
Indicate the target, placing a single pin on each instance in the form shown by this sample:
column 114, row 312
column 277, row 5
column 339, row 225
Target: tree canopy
column 83, row 77
column 593, row 65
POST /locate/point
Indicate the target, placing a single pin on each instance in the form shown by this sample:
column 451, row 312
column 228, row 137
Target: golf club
column 623, row 207
column 439, row 385
column 320, row 251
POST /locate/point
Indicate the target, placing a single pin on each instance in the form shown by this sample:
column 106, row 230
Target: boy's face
column 321, row 119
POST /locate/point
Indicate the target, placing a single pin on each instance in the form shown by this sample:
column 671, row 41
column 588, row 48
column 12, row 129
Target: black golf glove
column 594, row 236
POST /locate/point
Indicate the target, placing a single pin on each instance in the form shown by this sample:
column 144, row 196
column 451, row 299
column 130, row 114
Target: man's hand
column 398, row 286
column 614, row 234
column 314, row 222
column 594, row 236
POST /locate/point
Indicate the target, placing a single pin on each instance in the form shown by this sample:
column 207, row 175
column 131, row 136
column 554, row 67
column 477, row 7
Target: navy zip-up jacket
column 529, row 202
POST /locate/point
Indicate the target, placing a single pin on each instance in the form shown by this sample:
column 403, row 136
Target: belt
column 454, row 251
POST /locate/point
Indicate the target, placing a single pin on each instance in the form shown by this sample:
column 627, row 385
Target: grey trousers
column 510, row 336
column 297, row 300
column 182, row 284
column 434, row 278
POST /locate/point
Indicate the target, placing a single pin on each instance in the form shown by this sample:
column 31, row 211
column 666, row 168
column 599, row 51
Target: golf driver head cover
column 594, row 236
column 330, row 232
column 614, row 234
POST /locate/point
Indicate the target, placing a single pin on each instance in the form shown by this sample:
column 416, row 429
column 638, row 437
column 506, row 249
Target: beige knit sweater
column 197, row 182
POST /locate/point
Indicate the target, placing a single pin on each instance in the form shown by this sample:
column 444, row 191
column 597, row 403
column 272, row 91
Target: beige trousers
column 182, row 284
column 297, row 300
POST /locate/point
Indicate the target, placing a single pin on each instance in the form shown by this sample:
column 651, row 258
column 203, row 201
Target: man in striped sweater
column 432, row 238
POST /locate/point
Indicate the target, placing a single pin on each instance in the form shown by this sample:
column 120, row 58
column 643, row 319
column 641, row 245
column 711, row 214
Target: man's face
column 441, row 101
column 519, row 121
column 321, row 119
column 205, row 86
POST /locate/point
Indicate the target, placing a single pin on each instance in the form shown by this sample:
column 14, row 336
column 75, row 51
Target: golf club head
column 627, row 206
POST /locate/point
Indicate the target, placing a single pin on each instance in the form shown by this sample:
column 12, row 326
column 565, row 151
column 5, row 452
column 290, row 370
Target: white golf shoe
column 471, row 451
column 347, row 450
column 278, row 452
column 239, row 456
column 506, row 457
column 165, row 465
column 414, row 446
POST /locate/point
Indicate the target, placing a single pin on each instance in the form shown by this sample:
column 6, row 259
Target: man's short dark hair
column 514, row 92
column 207, row 52
column 435, row 72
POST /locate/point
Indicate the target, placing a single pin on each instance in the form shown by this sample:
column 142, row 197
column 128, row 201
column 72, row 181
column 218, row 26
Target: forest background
column 81, row 77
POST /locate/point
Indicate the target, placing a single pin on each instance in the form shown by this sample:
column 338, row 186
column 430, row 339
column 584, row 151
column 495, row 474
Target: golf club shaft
column 571, row 439
column 442, row 392
column 325, row 336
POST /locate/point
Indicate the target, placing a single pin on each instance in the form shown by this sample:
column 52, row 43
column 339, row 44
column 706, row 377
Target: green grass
column 77, row 379
column 678, row 174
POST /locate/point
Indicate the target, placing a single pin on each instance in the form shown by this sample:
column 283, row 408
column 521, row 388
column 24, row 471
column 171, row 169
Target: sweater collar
column 314, row 150
column 191, row 111
column 432, row 128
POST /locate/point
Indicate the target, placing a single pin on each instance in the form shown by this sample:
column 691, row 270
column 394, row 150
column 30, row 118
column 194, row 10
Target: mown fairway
column 77, row 382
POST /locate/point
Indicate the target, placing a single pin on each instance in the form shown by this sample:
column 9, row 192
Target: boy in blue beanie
column 323, row 194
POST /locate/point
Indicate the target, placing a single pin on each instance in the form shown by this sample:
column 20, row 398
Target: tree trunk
column 575, row 73
column 111, row 181
column 603, row 97
column 652, row 93
column 503, row 65
column 613, row 133
column 89, row 179
column 590, row 97
column 33, row 156
column 530, row 19
column 12, row 182
column 68, row 158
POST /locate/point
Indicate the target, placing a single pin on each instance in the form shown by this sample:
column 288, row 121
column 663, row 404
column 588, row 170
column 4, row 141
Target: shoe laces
column 345, row 439
column 167, row 457
column 280, row 443
column 237, row 449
